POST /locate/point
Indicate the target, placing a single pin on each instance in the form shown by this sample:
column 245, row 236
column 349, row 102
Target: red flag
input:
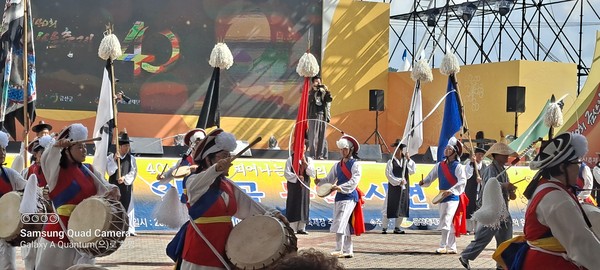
column 301, row 126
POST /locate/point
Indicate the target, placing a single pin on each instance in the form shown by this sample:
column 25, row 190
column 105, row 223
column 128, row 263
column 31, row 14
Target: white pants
column 51, row 256
column 447, row 211
column 298, row 226
column 7, row 256
column 29, row 254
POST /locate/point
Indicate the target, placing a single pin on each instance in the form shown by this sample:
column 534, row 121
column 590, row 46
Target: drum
column 439, row 198
column 323, row 190
column 259, row 241
column 181, row 171
column 593, row 214
column 17, row 229
column 98, row 226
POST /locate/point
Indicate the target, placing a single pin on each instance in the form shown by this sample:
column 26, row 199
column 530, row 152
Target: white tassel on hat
column 18, row 163
column 3, row 139
column 553, row 116
column 221, row 56
column 493, row 209
column 170, row 211
column 422, row 72
column 449, row 64
column 31, row 195
column 307, row 66
column 109, row 47
column 45, row 141
column 78, row 132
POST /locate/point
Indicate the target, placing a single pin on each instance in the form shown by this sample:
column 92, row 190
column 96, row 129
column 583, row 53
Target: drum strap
column 65, row 210
column 207, row 220
column 449, row 175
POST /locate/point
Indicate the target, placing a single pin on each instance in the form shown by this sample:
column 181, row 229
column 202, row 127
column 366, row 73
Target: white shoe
column 337, row 253
column 452, row 251
column 441, row 251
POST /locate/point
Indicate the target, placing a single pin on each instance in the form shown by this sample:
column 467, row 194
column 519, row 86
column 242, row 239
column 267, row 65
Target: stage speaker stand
column 515, row 102
column 376, row 102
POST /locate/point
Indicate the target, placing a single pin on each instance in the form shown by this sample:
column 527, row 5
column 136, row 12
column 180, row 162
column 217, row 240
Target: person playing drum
column 70, row 181
column 345, row 176
column 452, row 184
column 557, row 232
column 10, row 180
column 190, row 139
column 213, row 199
column 298, row 196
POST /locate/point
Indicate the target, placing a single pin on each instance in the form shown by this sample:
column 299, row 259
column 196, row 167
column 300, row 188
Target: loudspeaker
column 376, row 100
column 515, row 99
column 143, row 145
column 370, row 152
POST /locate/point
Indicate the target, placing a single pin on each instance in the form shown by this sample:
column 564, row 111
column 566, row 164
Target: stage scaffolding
column 497, row 30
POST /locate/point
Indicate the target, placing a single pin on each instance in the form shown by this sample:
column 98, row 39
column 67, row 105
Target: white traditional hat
column 193, row 135
column 217, row 140
column 456, row 145
column 3, row 139
column 347, row 141
column 501, row 148
column 564, row 147
column 74, row 132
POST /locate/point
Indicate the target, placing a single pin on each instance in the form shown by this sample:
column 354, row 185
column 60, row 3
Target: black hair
column 315, row 78
column 546, row 173
column 203, row 165
column 64, row 161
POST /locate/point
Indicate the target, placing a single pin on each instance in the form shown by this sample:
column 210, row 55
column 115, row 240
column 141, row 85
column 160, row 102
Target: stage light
column 468, row 10
column 432, row 17
column 504, row 7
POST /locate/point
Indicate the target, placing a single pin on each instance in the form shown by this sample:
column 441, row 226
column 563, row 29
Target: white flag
column 405, row 61
column 103, row 116
column 415, row 115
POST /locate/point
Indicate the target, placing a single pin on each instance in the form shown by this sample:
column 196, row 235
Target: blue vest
column 444, row 181
column 343, row 179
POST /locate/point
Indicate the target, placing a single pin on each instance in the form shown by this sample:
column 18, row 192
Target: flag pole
column 25, row 80
column 114, row 103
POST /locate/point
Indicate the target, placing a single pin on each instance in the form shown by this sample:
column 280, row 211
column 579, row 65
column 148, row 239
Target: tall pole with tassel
column 109, row 50
column 25, row 80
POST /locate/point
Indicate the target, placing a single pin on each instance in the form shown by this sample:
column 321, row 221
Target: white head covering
column 216, row 141
column 564, row 147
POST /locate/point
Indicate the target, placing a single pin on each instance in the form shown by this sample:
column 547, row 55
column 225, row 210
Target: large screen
column 166, row 46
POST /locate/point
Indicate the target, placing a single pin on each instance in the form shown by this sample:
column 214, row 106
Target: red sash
column 345, row 170
column 449, row 175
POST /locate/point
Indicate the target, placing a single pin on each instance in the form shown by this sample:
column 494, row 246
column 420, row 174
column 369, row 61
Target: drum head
column 181, row 171
column 89, row 219
column 438, row 198
column 324, row 190
column 256, row 242
column 10, row 217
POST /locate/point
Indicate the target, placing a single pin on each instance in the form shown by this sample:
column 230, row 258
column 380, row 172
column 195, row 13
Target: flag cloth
column 414, row 140
column 451, row 121
column 210, row 115
column 535, row 131
column 104, row 117
column 11, row 55
column 301, row 126
column 405, row 62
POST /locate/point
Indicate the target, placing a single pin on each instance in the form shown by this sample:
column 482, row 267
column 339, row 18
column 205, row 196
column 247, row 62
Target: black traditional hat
column 41, row 126
column 124, row 138
column 398, row 142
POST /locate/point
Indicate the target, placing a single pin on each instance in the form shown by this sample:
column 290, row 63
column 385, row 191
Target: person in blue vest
column 10, row 180
column 344, row 176
column 452, row 184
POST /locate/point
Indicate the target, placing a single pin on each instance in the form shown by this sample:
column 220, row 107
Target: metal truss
column 488, row 31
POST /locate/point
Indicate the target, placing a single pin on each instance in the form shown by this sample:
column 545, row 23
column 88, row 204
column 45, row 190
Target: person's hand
column 479, row 180
column 223, row 165
column 512, row 195
column 447, row 193
column 117, row 156
column 421, row 183
column 113, row 194
column 283, row 219
column 301, row 177
column 317, row 181
column 121, row 180
column 193, row 168
column 160, row 176
column 336, row 188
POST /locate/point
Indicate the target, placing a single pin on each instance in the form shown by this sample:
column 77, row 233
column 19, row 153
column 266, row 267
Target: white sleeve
column 246, row 206
column 561, row 213
column 310, row 169
column 51, row 165
column 459, row 187
column 330, row 177
column 597, row 173
column 132, row 174
column 394, row 181
column 433, row 174
column 168, row 174
column 198, row 184
column 352, row 183
column 111, row 164
column 16, row 180
column 288, row 173
column 588, row 183
column 468, row 170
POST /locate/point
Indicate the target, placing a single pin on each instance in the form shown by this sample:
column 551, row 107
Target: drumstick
column 87, row 140
column 164, row 168
column 247, row 147
column 526, row 178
